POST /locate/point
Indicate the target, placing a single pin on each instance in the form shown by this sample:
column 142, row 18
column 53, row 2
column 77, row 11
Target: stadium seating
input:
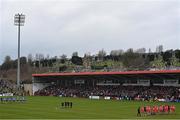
column 151, row 93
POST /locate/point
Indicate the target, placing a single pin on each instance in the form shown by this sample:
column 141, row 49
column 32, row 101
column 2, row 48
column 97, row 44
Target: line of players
column 153, row 110
column 66, row 104
column 12, row 99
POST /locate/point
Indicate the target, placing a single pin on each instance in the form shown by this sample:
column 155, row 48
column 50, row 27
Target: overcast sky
column 55, row 27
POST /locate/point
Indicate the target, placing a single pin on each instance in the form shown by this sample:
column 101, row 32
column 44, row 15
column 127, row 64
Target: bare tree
column 150, row 50
column 101, row 54
column 141, row 50
column 159, row 48
column 87, row 60
column 41, row 56
column 116, row 52
column 88, row 54
column 63, row 58
column 30, row 58
column 47, row 56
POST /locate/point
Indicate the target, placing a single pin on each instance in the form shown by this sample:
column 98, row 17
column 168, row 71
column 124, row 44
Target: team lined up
column 66, row 104
column 153, row 110
column 12, row 99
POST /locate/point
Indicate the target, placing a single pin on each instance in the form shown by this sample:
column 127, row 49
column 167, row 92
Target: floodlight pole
column 19, row 21
column 18, row 70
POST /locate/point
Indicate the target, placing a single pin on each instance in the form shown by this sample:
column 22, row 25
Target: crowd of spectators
column 120, row 92
column 6, row 86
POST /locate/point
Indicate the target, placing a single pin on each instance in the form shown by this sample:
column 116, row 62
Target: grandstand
column 145, row 85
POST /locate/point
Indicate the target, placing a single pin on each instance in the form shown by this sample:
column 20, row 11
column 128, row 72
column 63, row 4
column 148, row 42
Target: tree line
column 117, row 59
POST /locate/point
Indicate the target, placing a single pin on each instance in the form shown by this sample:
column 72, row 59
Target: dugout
column 125, row 78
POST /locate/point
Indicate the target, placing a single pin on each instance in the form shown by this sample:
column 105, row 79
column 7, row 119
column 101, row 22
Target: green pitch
column 49, row 108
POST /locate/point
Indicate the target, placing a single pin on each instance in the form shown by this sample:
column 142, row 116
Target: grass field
column 49, row 108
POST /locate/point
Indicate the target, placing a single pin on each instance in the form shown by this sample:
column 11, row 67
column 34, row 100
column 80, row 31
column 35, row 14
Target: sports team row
column 13, row 99
column 152, row 110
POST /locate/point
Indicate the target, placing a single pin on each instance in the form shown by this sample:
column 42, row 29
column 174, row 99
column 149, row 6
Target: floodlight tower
column 19, row 20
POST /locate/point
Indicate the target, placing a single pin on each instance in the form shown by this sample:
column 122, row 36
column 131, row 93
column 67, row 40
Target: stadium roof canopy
column 169, row 74
column 108, row 73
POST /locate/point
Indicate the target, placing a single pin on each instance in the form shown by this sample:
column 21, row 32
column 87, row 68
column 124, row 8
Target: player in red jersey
column 172, row 108
column 156, row 109
column 153, row 111
column 161, row 108
column 148, row 110
column 166, row 108
column 142, row 111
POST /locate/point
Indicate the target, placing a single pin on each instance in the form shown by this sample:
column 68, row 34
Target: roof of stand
column 158, row 72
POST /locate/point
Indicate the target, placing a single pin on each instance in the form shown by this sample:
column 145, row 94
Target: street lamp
column 19, row 20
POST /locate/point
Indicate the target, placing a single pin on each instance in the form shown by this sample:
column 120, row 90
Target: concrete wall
column 28, row 88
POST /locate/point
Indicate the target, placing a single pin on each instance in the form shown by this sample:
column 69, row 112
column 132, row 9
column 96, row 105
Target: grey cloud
column 63, row 26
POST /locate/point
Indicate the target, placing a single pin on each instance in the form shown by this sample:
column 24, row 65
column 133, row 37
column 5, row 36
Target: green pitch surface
column 49, row 108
